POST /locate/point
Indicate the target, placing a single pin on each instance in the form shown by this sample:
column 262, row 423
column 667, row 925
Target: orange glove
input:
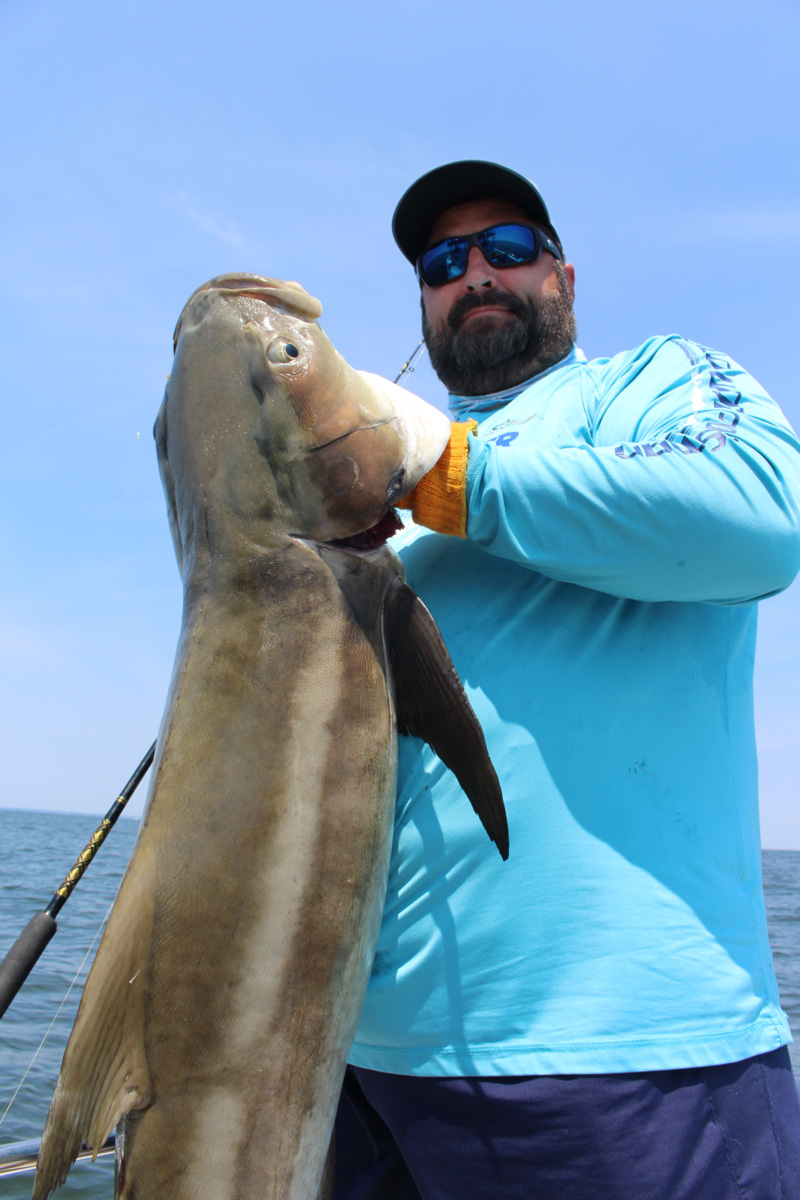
column 439, row 501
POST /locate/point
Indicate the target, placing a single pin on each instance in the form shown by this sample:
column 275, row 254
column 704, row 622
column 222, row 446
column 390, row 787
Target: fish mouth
column 377, row 535
column 368, row 539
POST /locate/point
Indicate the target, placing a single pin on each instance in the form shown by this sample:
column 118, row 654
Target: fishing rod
column 27, row 949
column 407, row 367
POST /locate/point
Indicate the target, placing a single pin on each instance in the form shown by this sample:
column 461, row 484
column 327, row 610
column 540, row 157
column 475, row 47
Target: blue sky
column 149, row 147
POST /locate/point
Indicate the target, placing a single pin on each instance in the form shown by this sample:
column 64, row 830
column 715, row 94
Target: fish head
column 271, row 427
column 343, row 445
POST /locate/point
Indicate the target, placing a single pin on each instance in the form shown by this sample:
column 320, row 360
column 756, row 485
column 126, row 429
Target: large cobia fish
column 218, row 1015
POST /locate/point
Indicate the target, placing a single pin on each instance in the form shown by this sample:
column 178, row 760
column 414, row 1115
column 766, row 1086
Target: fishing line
column 55, row 1018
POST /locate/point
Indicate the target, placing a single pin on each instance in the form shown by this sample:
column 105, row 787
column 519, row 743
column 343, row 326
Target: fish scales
column 217, row 1018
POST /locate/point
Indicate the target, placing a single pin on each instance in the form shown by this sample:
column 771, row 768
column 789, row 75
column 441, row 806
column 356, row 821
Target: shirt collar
column 465, row 406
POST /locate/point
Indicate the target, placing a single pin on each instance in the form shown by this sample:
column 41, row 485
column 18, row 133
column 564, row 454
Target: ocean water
column 38, row 851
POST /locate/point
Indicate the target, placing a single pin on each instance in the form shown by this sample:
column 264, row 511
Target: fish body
column 216, row 1021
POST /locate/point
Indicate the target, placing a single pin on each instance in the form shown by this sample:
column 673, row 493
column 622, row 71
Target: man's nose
column 479, row 274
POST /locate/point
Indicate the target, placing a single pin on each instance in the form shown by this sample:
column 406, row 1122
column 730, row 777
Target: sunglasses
column 501, row 245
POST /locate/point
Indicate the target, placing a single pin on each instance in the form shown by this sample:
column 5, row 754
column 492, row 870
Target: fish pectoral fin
column 104, row 1074
column 432, row 704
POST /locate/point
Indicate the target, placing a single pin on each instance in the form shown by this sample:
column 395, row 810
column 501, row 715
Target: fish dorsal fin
column 432, row 704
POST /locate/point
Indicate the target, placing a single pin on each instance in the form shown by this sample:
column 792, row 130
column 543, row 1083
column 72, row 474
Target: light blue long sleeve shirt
column 623, row 517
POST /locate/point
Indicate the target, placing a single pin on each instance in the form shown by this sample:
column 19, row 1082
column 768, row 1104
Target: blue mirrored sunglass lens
column 508, row 245
column 444, row 262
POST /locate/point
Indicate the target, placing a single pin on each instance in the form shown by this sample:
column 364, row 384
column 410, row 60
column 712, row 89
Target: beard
column 490, row 355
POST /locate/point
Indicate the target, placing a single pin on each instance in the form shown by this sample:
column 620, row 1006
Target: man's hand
column 439, row 501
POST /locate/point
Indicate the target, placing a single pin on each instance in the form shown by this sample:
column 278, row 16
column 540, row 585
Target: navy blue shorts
column 712, row 1133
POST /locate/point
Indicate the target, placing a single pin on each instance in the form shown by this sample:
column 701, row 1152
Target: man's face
column 494, row 328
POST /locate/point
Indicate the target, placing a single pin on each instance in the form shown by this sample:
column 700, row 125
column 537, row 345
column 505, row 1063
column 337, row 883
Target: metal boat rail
column 18, row 1157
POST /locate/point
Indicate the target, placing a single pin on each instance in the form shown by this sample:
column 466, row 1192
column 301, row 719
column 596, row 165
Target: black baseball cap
column 458, row 183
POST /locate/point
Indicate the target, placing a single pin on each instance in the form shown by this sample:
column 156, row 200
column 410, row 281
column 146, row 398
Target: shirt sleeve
column 687, row 488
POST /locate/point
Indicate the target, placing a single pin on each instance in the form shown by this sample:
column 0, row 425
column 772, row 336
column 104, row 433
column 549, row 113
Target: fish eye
column 281, row 350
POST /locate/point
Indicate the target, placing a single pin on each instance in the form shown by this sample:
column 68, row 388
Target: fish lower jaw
column 373, row 538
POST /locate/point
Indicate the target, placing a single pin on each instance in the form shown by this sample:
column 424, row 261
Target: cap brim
column 458, row 183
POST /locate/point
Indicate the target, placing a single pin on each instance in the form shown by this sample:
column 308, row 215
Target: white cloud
column 187, row 206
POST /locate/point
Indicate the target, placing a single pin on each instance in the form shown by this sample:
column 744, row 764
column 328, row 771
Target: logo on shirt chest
column 504, row 435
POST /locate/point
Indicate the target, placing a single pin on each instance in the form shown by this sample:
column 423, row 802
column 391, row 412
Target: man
column 598, row 1017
